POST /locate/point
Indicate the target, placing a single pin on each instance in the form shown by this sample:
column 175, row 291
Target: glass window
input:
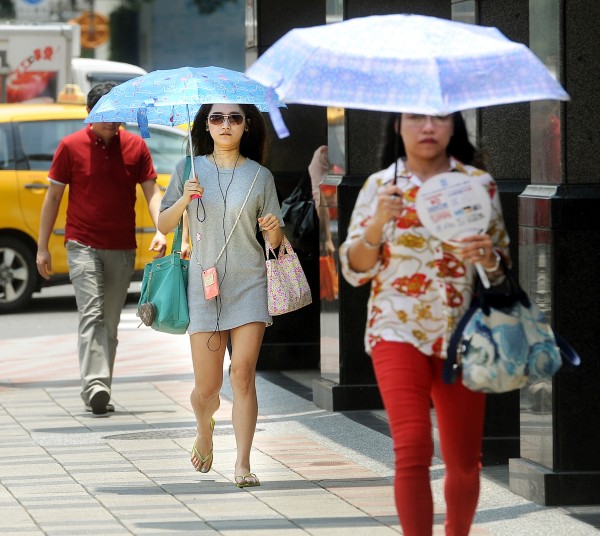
column 7, row 152
column 119, row 78
column 464, row 11
column 167, row 146
column 336, row 127
column 335, row 11
column 336, row 140
column 251, row 24
column 544, row 34
column 328, row 229
column 39, row 140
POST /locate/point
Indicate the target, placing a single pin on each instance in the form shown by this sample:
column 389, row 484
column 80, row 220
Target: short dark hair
column 459, row 146
column 98, row 91
column 253, row 144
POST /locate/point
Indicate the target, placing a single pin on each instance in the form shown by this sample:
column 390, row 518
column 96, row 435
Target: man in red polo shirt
column 102, row 165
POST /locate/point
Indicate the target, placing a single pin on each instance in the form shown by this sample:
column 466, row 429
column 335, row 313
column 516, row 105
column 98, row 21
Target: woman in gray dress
column 229, row 144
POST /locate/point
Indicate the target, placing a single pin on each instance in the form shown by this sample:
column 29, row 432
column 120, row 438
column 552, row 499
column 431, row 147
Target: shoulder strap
column 238, row 216
column 187, row 169
column 179, row 229
column 451, row 366
column 569, row 355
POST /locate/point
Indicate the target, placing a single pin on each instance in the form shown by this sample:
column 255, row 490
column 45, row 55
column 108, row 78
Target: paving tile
column 340, row 525
column 77, row 527
column 258, row 527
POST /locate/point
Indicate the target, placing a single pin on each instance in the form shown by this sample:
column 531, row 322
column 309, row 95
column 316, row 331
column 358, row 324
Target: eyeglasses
column 232, row 119
column 419, row 120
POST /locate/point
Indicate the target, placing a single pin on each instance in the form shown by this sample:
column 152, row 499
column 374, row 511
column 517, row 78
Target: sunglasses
column 419, row 120
column 219, row 119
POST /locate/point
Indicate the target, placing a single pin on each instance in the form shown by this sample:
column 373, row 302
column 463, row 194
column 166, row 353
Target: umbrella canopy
column 173, row 96
column 403, row 63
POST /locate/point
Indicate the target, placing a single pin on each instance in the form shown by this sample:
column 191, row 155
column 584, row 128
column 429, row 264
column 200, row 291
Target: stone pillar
column 292, row 342
column 504, row 136
column 559, row 234
column 353, row 385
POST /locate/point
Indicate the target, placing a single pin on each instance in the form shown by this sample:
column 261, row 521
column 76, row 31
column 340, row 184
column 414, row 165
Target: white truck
column 38, row 60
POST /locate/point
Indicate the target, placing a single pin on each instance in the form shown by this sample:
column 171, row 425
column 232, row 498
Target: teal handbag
column 163, row 300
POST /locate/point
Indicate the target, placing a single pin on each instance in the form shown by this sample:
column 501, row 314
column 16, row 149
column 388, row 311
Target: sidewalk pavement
column 64, row 472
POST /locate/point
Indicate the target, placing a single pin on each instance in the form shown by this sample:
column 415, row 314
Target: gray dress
column 241, row 269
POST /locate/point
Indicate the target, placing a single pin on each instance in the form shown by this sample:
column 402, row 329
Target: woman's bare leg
column 246, row 341
column 207, row 359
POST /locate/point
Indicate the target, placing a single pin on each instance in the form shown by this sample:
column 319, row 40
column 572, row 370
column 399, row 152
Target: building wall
column 173, row 34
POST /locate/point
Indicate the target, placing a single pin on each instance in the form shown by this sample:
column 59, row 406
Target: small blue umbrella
column 173, row 97
column 403, row 63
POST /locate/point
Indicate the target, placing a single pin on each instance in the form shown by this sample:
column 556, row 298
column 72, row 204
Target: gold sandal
column 248, row 480
column 209, row 457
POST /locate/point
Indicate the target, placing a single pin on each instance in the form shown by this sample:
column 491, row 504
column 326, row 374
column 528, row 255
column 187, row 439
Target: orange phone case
column 210, row 282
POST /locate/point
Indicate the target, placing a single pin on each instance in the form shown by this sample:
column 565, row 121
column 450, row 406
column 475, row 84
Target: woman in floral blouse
column 420, row 288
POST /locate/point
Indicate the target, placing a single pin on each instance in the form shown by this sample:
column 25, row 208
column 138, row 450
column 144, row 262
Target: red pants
column 408, row 381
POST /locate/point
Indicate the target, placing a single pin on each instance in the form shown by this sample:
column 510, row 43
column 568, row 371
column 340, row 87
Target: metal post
column 4, row 72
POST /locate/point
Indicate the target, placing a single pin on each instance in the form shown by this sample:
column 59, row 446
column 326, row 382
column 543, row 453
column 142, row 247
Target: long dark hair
column 253, row 143
column 459, row 146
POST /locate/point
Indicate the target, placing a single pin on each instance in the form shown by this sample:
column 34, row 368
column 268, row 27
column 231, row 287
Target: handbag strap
column 568, row 354
column 499, row 296
column 176, row 248
column 238, row 216
column 451, row 366
column 283, row 247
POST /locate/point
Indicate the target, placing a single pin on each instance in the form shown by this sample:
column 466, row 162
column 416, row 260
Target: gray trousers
column 100, row 278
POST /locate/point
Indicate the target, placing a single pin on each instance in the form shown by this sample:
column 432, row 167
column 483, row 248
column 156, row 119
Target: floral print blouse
column 420, row 287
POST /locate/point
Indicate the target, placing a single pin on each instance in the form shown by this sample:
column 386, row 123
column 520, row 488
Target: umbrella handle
column 193, row 171
column 482, row 275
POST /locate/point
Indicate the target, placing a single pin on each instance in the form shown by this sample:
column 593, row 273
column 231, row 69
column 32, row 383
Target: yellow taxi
column 29, row 135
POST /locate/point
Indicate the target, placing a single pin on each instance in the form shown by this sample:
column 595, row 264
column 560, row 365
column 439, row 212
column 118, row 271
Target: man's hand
column 43, row 262
column 159, row 244
column 186, row 251
column 329, row 247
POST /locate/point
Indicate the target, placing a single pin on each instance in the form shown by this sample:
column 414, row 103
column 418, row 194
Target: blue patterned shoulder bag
column 504, row 341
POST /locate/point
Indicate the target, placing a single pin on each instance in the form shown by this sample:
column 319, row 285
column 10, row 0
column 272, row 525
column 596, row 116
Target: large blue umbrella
column 173, row 97
column 403, row 63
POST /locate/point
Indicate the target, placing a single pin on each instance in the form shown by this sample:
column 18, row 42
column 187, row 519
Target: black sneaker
column 99, row 401
column 109, row 408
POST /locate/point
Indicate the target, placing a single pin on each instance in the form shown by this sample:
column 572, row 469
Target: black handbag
column 301, row 218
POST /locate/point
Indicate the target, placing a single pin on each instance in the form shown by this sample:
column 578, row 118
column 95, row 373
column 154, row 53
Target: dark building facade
column 544, row 158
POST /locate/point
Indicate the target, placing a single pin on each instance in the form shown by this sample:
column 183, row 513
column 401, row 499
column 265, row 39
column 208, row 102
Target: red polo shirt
column 102, row 186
